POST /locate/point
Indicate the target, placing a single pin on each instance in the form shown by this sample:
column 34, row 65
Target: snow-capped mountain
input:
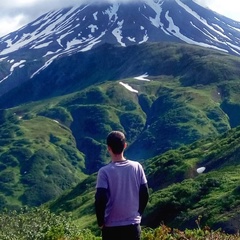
column 24, row 53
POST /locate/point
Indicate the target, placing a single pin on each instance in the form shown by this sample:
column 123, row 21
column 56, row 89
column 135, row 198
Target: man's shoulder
column 135, row 163
column 105, row 167
column 126, row 163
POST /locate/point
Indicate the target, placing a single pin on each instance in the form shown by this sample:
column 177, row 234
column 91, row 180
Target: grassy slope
column 181, row 114
column 214, row 194
column 39, row 160
column 179, row 195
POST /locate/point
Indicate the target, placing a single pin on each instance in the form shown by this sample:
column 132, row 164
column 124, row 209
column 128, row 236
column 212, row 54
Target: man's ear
column 125, row 145
column 109, row 149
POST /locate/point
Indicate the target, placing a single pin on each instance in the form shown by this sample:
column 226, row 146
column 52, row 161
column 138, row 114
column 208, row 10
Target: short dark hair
column 116, row 141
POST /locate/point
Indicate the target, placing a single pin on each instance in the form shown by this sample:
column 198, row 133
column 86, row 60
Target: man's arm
column 101, row 198
column 143, row 198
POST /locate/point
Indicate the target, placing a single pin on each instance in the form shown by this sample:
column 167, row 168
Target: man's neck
column 118, row 158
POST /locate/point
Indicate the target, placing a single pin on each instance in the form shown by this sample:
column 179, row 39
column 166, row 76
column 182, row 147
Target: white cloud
column 11, row 23
column 228, row 8
column 16, row 13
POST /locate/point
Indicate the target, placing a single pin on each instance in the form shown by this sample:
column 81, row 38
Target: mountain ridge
column 155, row 59
column 31, row 49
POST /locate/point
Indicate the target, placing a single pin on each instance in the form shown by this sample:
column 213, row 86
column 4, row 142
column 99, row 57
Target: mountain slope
column 179, row 194
column 26, row 52
column 38, row 160
column 213, row 195
column 64, row 134
column 190, row 64
column 191, row 92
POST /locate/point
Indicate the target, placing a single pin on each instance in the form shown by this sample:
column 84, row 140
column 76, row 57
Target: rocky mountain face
column 26, row 52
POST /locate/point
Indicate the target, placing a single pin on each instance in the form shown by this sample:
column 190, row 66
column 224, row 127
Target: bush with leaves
column 165, row 233
column 40, row 224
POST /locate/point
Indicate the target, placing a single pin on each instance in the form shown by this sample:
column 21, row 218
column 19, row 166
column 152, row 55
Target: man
column 121, row 193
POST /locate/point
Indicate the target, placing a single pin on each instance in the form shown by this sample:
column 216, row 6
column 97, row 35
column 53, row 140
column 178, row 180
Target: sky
column 16, row 13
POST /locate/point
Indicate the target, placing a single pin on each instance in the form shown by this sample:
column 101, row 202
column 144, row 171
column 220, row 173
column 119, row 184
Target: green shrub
column 40, row 193
column 7, row 176
column 59, row 114
column 54, row 139
column 9, row 160
column 40, row 224
column 3, row 202
column 20, row 153
column 165, row 233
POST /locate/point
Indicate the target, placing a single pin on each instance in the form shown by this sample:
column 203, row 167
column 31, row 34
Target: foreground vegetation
column 41, row 224
column 165, row 233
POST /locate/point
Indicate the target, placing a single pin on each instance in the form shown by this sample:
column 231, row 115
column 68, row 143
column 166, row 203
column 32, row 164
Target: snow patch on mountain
column 145, row 38
column 143, row 77
column 3, row 59
column 175, row 30
column 158, row 10
column 117, row 32
column 112, row 12
column 17, row 64
column 43, row 45
column 128, row 87
column 93, row 28
column 90, row 43
column 236, row 29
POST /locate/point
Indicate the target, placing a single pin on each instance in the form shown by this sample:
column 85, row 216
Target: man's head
column 116, row 141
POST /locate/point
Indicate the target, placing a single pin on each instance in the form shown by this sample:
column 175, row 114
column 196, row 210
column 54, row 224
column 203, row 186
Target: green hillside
column 179, row 194
column 53, row 131
column 38, row 160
